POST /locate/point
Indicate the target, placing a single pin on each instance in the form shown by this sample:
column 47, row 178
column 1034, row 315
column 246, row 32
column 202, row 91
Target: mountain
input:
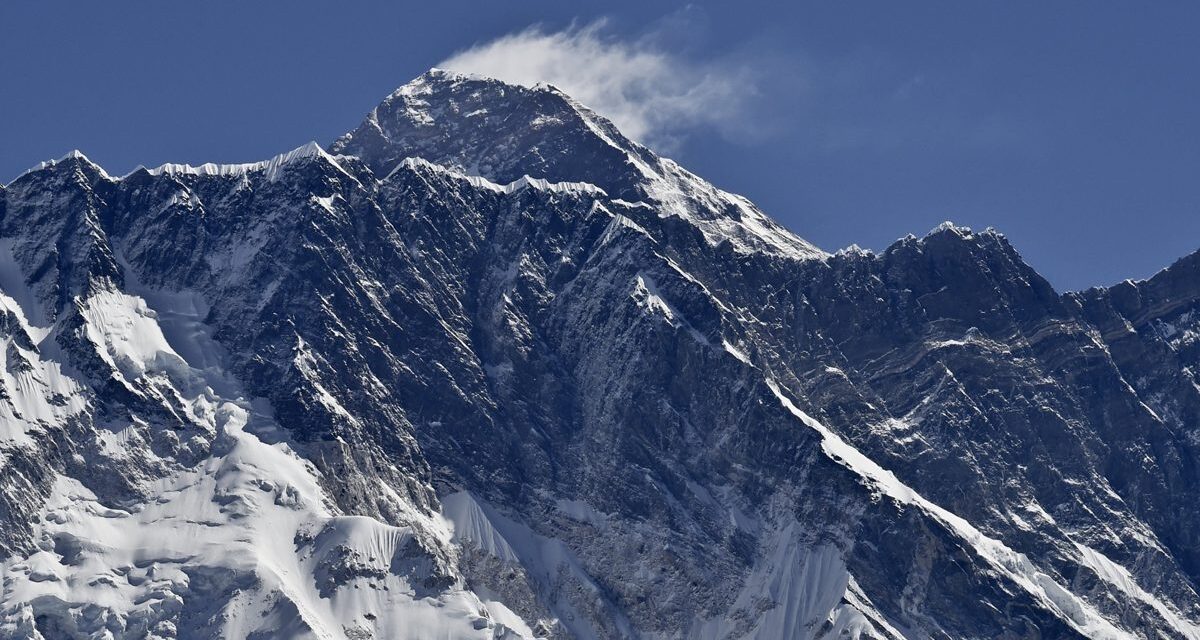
column 486, row 368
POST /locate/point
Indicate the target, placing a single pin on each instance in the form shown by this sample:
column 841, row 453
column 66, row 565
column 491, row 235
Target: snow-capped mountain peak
column 488, row 369
column 503, row 132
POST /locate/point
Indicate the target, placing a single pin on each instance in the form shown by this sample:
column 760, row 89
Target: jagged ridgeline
column 485, row 368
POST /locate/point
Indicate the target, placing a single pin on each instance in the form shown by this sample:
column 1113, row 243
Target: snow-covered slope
column 488, row 369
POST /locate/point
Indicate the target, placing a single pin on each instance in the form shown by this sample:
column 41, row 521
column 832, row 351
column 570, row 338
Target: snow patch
column 471, row 524
column 737, row 353
column 1016, row 566
column 246, row 529
column 647, row 295
column 1122, row 579
column 797, row 591
column 549, row 562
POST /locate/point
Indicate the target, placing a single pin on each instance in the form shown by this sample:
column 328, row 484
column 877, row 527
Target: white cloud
column 654, row 96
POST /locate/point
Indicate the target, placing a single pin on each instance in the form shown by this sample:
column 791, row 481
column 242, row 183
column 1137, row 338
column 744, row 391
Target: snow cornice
column 271, row 168
column 524, row 182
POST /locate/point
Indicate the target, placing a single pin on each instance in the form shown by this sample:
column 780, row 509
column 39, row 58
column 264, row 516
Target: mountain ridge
column 484, row 404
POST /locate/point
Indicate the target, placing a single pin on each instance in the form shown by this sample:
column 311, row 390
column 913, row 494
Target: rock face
column 488, row 369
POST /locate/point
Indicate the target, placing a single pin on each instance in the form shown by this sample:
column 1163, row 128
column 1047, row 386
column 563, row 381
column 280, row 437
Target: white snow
column 74, row 154
column 1016, row 566
column 581, row 511
column 948, row 225
column 36, row 392
column 30, row 384
column 231, row 524
column 853, row 250
column 797, row 590
column 792, row 591
column 618, row 223
column 306, row 363
column 524, row 182
column 647, row 296
column 736, row 352
column 1119, row 577
column 271, row 168
column 127, row 336
column 547, row 561
column 470, row 524
column 682, row 194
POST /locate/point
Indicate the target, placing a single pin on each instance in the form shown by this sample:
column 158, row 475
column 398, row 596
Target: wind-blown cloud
column 663, row 85
column 654, row 96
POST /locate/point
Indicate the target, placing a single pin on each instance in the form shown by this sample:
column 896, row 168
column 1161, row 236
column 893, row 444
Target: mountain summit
column 485, row 368
column 502, row 132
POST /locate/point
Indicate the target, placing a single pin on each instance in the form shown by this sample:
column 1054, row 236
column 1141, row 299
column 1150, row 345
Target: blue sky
column 1070, row 126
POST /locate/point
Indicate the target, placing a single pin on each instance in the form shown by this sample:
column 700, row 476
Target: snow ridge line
column 1014, row 565
column 480, row 182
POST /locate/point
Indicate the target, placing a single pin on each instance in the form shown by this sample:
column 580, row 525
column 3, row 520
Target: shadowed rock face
column 492, row 370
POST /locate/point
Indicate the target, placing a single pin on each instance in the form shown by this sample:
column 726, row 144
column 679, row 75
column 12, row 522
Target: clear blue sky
column 1071, row 126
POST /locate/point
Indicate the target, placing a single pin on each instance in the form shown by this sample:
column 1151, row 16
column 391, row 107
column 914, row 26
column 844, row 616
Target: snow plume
column 651, row 94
